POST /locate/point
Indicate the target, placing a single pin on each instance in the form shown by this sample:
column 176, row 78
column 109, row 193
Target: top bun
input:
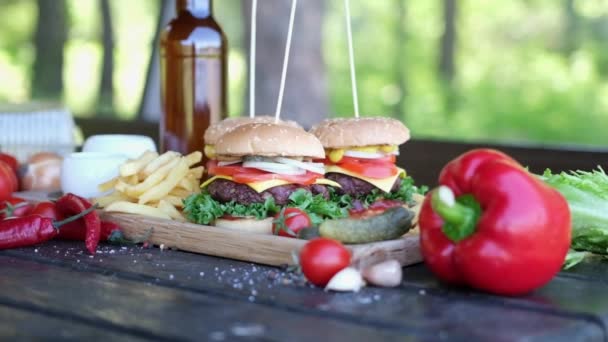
column 269, row 140
column 214, row 132
column 352, row 132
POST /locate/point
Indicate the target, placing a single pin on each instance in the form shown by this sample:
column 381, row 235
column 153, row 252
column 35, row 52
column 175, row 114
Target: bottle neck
column 197, row 8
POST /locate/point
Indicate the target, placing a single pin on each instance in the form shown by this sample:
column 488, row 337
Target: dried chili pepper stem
column 58, row 224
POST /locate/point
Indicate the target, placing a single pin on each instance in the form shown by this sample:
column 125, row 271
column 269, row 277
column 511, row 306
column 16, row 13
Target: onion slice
column 308, row 166
column 228, row 162
column 364, row 155
column 275, row 168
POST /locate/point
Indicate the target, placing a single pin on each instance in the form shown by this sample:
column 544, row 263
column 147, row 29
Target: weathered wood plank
column 169, row 312
column 26, row 325
column 259, row 248
column 446, row 311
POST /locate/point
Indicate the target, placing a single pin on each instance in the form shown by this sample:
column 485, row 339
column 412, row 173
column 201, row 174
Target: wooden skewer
column 277, row 114
column 353, row 76
column 252, row 53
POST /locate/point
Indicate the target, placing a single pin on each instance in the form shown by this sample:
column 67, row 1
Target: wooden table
column 56, row 290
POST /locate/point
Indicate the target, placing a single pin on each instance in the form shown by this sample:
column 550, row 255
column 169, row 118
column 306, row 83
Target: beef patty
column 354, row 186
column 224, row 190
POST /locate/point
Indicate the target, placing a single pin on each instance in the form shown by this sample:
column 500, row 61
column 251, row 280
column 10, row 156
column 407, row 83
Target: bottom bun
column 247, row 225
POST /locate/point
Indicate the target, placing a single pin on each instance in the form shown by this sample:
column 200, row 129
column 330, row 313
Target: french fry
column 180, row 193
column 159, row 162
column 154, row 185
column 194, row 158
column 133, row 167
column 196, row 172
column 154, row 179
column 186, row 184
column 138, row 209
column 107, row 186
column 174, row 201
column 170, row 210
column 163, row 188
column 105, row 201
column 132, row 180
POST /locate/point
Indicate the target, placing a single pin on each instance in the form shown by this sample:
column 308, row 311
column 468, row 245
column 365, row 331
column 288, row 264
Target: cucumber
column 309, row 233
column 389, row 225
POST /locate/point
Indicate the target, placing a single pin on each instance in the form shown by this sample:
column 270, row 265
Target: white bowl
column 81, row 173
column 131, row 146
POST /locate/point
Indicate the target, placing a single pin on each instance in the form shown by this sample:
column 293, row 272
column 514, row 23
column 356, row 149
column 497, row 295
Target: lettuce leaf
column 587, row 196
column 404, row 194
column 317, row 207
column 203, row 209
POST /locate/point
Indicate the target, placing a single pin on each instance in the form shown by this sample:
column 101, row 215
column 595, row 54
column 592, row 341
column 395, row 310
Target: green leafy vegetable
column 317, row 207
column 404, row 193
column 587, row 196
column 203, row 209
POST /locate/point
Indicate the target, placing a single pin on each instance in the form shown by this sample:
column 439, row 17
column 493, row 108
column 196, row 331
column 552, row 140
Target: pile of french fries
column 153, row 185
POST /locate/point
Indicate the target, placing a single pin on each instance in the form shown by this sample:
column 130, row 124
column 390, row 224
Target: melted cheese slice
column 265, row 185
column 384, row 184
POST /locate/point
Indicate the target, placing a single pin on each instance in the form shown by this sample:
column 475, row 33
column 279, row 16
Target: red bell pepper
column 493, row 226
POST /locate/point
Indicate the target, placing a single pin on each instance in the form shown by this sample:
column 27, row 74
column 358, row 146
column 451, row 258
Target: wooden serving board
column 233, row 244
column 258, row 248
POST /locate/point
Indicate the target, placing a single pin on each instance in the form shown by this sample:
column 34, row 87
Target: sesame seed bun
column 339, row 133
column 214, row 132
column 269, row 140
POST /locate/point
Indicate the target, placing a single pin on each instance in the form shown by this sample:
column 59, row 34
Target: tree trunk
column 49, row 40
column 571, row 29
column 398, row 109
column 448, row 41
column 105, row 106
column 305, row 97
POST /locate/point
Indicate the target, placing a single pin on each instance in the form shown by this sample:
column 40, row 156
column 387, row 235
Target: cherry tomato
column 371, row 169
column 46, row 209
column 289, row 221
column 322, row 258
column 8, row 181
column 11, row 161
column 14, row 207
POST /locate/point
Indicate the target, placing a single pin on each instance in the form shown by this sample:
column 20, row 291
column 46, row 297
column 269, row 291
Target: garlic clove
column 386, row 274
column 348, row 279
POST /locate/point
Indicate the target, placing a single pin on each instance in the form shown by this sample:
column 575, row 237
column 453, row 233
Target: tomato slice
column 229, row 170
column 383, row 160
column 250, row 177
column 371, row 170
column 246, row 175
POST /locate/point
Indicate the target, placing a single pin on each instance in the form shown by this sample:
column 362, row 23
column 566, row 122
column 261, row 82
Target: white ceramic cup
column 82, row 172
column 131, row 146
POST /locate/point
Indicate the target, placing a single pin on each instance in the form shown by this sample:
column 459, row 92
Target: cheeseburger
column 215, row 131
column 258, row 167
column 360, row 157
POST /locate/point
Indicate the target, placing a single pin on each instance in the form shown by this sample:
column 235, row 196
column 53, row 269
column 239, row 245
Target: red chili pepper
column 494, row 226
column 31, row 230
column 76, row 231
column 70, row 204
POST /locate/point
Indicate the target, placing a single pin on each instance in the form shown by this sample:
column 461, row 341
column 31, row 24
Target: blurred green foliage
column 525, row 70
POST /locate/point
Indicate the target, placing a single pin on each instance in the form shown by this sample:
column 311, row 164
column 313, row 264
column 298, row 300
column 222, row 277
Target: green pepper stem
column 58, row 224
column 460, row 218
